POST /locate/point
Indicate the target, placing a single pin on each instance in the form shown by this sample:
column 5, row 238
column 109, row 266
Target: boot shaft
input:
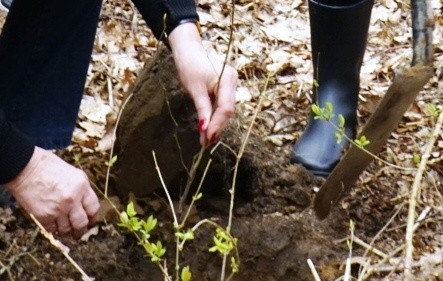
column 338, row 38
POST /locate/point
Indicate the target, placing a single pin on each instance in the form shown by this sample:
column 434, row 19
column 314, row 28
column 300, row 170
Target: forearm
column 15, row 150
column 153, row 12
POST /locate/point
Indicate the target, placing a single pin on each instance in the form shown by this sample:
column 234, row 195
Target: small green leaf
column 329, row 107
column 433, row 110
column 130, row 210
column 339, row 136
column 77, row 158
column 186, row 274
column 198, row 196
column 189, row 235
column 135, row 224
column 112, row 161
column 234, row 265
column 316, row 110
column 150, row 224
column 416, row 158
column 351, row 225
column 362, row 142
column 124, row 218
column 315, row 83
column 341, row 121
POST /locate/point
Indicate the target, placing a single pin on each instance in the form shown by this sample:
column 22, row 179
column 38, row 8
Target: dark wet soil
column 274, row 223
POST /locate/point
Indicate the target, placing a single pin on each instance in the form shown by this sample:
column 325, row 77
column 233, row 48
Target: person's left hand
column 200, row 74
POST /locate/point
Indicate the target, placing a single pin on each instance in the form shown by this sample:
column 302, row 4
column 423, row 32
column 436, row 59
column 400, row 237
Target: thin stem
column 413, row 198
column 237, row 164
column 62, row 248
column 171, row 205
column 188, row 211
column 111, row 154
column 191, row 178
column 370, row 153
column 313, row 270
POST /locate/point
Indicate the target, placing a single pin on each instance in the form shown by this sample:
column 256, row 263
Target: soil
column 274, row 223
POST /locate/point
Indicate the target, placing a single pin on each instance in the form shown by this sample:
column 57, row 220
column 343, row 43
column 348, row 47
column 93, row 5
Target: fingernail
column 214, row 139
column 200, row 125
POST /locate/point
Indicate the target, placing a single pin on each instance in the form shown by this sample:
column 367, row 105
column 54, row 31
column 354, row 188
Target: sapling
column 326, row 113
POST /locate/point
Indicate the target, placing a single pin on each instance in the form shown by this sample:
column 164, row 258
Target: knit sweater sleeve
column 153, row 12
column 15, row 150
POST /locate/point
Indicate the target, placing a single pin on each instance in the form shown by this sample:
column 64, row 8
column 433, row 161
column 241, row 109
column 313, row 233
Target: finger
column 50, row 227
column 90, row 203
column 63, row 225
column 79, row 220
column 225, row 105
column 203, row 106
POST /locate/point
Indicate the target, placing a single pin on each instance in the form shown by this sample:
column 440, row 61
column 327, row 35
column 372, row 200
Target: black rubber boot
column 338, row 38
column 5, row 4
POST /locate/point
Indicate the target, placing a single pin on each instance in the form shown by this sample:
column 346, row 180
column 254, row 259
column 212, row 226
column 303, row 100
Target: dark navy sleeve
column 15, row 150
column 153, row 12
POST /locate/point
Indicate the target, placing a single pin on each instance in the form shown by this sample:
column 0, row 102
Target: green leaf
column 329, row 108
column 416, row 158
column 234, row 265
column 112, row 161
column 77, row 158
column 198, row 196
column 135, row 224
column 186, row 274
column 130, row 210
column 315, row 83
column 316, row 110
column 158, row 249
column 362, row 142
column 150, row 224
column 328, row 112
column 433, row 110
column 124, row 218
column 189, row 235
column 341, row 121
column 339, row 136
column 180, row 235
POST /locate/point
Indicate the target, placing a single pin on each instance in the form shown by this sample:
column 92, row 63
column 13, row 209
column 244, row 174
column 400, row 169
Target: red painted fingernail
column 214, row 139
column 200, row 125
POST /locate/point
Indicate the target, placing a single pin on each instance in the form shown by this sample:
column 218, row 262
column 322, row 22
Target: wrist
column 27, row 171
column 185, row 33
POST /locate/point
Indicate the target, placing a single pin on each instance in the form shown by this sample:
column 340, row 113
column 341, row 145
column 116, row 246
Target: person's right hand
column 56, row 193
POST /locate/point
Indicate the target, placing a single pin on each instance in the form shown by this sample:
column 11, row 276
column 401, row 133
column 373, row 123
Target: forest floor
column 274, row 223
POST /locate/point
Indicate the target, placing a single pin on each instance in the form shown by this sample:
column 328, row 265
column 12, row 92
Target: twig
column 363, row 272
column 188, row 211
column 176, row 225
column 369, row 247
column 413, row 198
column 191, row 177
column 351, row 141
column 111, row 154
column 372, row 269
column 313, row 270
column 62, row 248
column 237, row 164
column 157, row 168
column 177, row 142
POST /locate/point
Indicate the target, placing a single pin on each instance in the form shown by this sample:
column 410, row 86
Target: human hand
column 199, row 74
column 56, row 193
